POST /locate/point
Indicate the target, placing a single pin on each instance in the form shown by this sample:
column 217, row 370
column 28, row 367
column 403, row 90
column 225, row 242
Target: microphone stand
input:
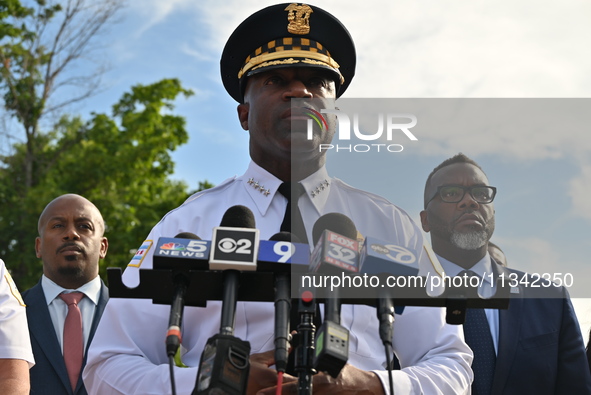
column 304, row 345
column 229, row 299
column 205, row 285
column 385, row 313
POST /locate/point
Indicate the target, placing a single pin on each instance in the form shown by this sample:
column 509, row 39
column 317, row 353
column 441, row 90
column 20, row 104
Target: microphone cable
column 171, row 365
column 389, row 353
column 279, row 383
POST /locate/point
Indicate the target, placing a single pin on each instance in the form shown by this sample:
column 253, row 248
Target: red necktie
column 73, row 340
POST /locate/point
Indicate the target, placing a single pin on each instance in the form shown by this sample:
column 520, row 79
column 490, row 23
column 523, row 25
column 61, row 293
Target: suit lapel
column 41, row 328
column 509, row 329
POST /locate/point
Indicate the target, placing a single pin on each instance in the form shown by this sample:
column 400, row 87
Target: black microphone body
column 381, row 257
column 385, row 313
column 282, row 308
column 335, row 252
column 231, row 283
column 225, row 365
column 181, row 282
column 235, row 217
column 282, row 317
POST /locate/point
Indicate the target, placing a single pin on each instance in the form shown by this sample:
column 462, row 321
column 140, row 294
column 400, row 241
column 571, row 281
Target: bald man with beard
column 70, row 244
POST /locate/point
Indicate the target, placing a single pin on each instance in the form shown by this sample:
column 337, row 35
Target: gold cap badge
column 298, row 17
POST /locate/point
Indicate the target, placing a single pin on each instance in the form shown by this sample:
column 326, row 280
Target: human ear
column 425, row 221
column 38, row 247
column 243, row 110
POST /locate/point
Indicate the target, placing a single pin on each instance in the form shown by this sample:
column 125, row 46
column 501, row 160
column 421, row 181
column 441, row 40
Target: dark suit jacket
column 49, row 375
column 541, row 350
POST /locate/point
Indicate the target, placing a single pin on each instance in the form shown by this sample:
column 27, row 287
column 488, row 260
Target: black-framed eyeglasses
column 482, row 194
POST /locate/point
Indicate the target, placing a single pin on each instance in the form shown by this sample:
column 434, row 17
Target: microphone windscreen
column 187, row 235
column 285, row 236
column 238, row 217
column 335, row 222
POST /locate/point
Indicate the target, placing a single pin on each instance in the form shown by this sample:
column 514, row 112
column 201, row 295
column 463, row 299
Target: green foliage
column 24, row 59
column 121, row 162
column 41, row 43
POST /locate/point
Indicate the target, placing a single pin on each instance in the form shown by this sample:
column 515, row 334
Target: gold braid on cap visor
column 283, row 51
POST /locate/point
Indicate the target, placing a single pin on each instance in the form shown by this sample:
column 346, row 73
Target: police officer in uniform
column 16, row 356
column 280, row 53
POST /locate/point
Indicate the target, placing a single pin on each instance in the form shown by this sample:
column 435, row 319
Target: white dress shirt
column 58, row 309
column 14, row 331
column 483, row 269
column 127, row 355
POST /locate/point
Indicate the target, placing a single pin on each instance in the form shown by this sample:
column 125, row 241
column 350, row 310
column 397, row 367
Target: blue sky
column 406, row 49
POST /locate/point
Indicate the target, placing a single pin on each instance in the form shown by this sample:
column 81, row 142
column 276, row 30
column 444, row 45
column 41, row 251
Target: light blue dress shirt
column 58, row 309
column 483, row 269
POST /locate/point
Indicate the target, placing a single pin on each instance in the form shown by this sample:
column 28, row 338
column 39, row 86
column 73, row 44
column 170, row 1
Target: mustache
column 474, row 214
column 69, row 245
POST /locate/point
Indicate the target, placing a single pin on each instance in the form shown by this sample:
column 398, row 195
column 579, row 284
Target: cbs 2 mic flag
column 234, row 248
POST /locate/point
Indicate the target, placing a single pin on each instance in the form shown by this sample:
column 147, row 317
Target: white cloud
column 434, row 49
column 580, row 190
column 199, row 55
column 518, row 130
column 152, row 12
column 530, row 254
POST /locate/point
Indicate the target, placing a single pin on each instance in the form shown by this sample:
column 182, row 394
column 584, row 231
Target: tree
column 37, row 55
column 121, row 162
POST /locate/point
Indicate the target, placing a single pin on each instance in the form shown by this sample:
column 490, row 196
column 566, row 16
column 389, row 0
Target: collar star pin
column 258, row 187
column 323, row 185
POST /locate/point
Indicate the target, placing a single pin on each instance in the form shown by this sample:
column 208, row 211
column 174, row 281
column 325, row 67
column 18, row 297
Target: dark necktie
column 292, row 221
column 478, row 336
column 73, row 339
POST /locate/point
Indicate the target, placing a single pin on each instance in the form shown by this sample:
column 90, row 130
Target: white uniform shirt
column 128, row 355
column 15, row 342
column 58, row 309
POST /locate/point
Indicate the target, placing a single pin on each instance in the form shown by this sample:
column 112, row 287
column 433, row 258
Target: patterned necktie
column 292, row 221
column 478, row 336
column 73, row 339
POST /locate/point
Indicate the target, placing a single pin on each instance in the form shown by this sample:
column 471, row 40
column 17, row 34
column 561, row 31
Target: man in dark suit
column 533, row 347
column 64, row 308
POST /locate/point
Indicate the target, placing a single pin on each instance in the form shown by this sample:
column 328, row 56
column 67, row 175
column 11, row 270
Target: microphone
column 235, row 242
column 283, row 248
column 282, row 305
column 336, row 222
column 238, row 216
column 336, row 251
column 377, row 257
column 181, row 282
column 186, row 251
column 234, row 247
column 225, row 362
